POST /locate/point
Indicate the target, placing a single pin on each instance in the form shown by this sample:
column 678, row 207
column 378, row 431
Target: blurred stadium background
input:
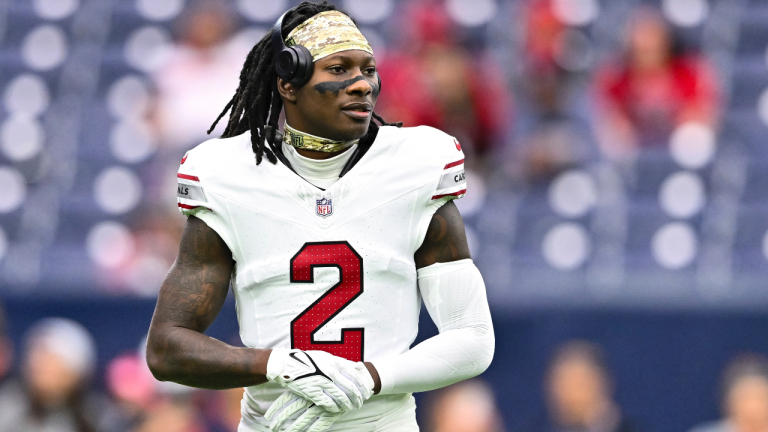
column 618, row 193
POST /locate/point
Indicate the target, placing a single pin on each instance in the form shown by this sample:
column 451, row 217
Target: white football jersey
column 329, row 270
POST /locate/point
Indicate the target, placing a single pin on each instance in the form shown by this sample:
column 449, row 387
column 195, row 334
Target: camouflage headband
column 328, row 33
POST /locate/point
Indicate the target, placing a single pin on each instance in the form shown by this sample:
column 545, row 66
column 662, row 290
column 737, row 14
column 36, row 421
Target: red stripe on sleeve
column 187, row 177
column 189, row 207
column 463, row 191
column 453, row 164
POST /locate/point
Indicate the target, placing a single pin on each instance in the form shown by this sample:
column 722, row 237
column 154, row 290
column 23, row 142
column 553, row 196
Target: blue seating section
column 614, row 252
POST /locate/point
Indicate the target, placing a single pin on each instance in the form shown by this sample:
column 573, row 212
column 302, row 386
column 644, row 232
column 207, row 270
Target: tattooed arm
column 191, row 296
column 446, row 240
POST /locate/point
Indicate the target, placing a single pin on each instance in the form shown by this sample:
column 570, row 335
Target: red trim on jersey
column 189, row 207
column 184, row 159
column 453, row 164
column 187, row 177
column 461, row 192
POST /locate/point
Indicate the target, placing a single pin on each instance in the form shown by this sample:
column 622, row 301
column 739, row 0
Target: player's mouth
column 358, row 110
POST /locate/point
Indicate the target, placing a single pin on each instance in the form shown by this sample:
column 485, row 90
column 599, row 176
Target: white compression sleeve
column 454, row 294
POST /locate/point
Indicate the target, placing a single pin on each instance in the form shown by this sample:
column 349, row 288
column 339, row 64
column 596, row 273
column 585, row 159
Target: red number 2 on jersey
column 303, row 328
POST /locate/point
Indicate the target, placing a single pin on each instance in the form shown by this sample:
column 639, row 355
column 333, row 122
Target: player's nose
column 361, row 86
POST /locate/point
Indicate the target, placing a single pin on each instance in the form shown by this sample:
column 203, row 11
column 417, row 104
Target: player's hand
column 308, row 416
column 331, row 382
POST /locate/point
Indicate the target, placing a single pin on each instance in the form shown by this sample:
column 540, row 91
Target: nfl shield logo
column 324, row 207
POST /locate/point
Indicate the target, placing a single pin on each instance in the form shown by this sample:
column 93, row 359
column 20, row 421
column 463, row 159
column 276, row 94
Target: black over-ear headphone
column 292, row 63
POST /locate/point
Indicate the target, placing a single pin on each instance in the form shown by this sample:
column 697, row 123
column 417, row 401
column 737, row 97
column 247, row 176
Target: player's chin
column 354, row 127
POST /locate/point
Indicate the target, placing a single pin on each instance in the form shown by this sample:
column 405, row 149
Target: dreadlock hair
column 256, row 104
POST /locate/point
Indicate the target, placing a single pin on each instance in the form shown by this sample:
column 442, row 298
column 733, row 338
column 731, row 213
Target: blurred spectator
column 172, row 414
column 551, row 133
column 744, row 397
column 155, row 235
column 193, row 87
column 432, row 80
column 201, row 76
column 579, row 391
column 652, row 89
column 548, row 139
column 132, row 386
column 149, row 405
column 223, row 409
column 53, row 393
column 543, row 33
column 468, row 406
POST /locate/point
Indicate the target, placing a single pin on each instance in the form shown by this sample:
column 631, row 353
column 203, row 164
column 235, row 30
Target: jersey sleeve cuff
column 441, row 268
column 453, row 181
column 212, row 220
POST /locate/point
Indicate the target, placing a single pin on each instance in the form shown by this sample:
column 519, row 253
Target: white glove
column 308, row 416
column 331, row 382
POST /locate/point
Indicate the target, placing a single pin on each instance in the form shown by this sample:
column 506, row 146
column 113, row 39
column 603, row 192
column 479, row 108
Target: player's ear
column 287, row 90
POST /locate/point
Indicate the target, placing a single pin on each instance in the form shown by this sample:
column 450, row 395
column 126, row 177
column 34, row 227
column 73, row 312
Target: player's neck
column 316, row 155
column 315, row 147
column 322, row 173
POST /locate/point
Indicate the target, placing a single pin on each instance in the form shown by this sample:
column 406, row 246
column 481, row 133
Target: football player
column 329, row 247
